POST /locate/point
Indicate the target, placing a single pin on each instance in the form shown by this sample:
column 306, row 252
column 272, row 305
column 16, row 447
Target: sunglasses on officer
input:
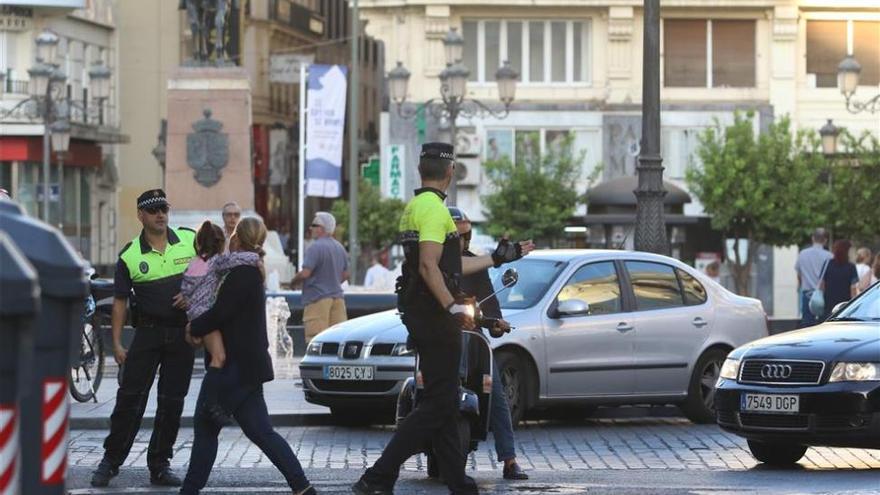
column 153, row 210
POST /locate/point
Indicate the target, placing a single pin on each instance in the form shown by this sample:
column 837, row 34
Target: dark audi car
column 817, row 386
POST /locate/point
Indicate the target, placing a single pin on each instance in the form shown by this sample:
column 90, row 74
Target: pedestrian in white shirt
column 378, row 277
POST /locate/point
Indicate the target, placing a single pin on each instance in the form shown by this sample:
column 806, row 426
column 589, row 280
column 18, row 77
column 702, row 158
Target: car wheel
column 777, row 454
column 699, row 406
column 514, row 377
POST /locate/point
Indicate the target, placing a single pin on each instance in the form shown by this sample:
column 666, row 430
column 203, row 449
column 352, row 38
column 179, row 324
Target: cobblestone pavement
column 619, row 444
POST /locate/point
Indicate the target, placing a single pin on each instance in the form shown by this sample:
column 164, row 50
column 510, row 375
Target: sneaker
column 363, row 487
column 103, row 474
column 165, row 477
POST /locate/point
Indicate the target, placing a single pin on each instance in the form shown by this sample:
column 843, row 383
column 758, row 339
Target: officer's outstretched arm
column 474, row 264
column 429, row 268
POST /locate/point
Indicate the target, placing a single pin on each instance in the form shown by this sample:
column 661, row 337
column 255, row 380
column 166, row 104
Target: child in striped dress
column 200, row 283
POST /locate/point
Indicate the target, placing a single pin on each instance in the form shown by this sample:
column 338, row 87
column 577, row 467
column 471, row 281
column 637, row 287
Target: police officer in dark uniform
column 434, row 311
column 149, row 271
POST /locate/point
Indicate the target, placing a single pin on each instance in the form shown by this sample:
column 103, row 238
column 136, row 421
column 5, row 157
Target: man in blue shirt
column 325, row 267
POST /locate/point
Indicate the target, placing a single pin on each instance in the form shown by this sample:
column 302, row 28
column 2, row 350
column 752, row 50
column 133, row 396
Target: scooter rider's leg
column 502, row 429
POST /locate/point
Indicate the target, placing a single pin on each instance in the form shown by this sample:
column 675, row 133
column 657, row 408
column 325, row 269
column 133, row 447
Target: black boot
column 103, row 474
column 363, row 487
column 165, row 477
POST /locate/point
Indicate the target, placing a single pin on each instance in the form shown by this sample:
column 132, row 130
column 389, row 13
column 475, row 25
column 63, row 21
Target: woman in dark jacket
column 240, row 314
column 840, row 279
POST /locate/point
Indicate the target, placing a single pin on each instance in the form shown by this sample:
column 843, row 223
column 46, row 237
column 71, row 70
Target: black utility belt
column 145, row 321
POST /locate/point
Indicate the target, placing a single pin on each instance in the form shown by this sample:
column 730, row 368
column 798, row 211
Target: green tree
column 765, row 189
column 378, row 219
column 855, row 188
column 534, row 197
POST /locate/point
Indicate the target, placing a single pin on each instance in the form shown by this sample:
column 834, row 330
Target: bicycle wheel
column 86, row 374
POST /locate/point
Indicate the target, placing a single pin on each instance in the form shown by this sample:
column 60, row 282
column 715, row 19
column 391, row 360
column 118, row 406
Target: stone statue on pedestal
column 207, row 20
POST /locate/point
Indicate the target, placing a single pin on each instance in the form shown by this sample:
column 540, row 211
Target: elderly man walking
column 325, row 267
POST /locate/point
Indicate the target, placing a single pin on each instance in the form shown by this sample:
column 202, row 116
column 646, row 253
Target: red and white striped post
column 9, row 455
column 56, row 406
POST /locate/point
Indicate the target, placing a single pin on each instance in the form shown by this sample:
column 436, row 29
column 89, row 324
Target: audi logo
column 775, row 371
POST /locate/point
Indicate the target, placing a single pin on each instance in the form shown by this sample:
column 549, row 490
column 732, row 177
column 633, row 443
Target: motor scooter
column 475, row 388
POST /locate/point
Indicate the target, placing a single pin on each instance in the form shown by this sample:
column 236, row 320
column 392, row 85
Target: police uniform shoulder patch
column 144, row 267
column 124, row 248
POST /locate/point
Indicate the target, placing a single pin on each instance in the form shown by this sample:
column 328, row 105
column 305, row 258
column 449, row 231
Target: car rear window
column 693, row 291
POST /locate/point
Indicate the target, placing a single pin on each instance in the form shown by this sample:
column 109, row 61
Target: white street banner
column 284, row 67
column 325, row 124
column 393, row 172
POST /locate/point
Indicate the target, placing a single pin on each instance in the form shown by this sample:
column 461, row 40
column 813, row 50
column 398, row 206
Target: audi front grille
column 781, row 372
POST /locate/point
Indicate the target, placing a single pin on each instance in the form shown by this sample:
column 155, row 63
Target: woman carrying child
column 239, row 313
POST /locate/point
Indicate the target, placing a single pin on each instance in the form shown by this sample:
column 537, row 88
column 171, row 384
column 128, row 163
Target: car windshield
column 866, row 307
column 535, row 276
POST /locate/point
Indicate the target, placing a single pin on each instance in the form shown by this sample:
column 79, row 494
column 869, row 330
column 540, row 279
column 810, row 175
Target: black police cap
column 438, row 150
column 152, row 198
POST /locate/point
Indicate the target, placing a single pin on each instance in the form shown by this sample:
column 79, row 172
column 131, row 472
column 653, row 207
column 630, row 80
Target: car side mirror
column 573, row 307
column 510, row 277
column 838, row 307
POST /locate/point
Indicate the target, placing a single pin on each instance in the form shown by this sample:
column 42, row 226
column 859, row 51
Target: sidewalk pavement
column 284, row 398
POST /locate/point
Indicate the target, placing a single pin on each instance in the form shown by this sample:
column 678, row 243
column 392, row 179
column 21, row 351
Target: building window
column 547, row 51
column 700, row 53
column 828, row 42
column 527, row 145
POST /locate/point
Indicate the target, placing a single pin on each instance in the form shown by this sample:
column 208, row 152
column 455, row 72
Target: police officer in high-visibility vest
column 149, row 271
column 434, row 311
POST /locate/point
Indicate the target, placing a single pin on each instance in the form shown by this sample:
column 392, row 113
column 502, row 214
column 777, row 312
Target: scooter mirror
column 510, row 277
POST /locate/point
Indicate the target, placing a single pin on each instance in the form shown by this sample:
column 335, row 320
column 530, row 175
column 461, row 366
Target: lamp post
column 650, row 234
column 848, row 81
column 829, row 133
column 453, row 101
column 49, row 104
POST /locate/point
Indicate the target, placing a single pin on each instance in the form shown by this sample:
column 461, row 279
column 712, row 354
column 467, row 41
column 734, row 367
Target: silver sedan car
column 591, row 327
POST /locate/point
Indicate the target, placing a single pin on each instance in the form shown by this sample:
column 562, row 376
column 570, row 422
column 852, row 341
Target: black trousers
column 165, row 349
column 434, row 420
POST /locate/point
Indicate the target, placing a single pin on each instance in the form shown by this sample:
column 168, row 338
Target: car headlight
column 730, row 369
column 401, row 350
column 314, row 349
column 855, row 372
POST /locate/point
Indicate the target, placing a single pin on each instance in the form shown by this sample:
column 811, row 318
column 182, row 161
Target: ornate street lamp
column 48, row 102
column 453, row 45
column 398, row 80
column 454, row 78
column 453, row 99
column 39, row 74
column 60, row 136
column 848, row 81
column 829, row 133
column 99, row 80
column 506, row 78
column 47, row 46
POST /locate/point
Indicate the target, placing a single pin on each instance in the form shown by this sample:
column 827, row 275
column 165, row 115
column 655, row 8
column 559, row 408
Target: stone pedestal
column 225, row 95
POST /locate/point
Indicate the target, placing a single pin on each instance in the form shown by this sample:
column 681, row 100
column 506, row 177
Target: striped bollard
column 9, row 457
column 56, row 407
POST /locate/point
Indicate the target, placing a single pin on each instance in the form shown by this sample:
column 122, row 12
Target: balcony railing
column 15, row 87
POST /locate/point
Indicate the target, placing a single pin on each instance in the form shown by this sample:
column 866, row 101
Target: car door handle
column 699, row 322
column 624, row 327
